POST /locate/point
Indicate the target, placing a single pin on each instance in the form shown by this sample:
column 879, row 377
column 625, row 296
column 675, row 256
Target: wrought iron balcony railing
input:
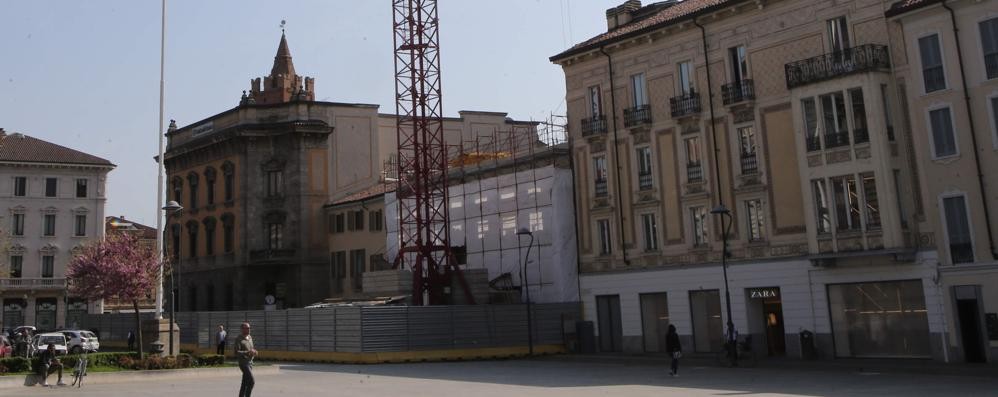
column 694, row 172
column 685, row 105
column 594, row 126
column 750, row 163
column 863, row 58
column 738, row 91
column 637, row 115
column 813, row 143
column 644, row 181
column 601, row 188
column 961, row 252
column 32, row 283
column 861, row 135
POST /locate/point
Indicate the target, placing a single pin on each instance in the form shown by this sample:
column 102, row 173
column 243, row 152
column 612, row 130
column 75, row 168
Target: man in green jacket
column 245, row 353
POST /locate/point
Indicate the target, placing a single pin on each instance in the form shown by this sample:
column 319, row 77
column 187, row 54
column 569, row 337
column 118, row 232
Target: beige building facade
column 952, row 89
column 773, row 128
column 356, row 240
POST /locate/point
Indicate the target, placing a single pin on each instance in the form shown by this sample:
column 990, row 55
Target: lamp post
column 171, row 208
column 526, row 286
column 731, row 342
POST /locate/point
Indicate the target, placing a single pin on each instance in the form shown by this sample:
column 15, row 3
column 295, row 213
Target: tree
column 118, row 267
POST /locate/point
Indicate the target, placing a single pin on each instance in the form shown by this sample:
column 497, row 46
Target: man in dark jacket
column 48, row 364
column 674, row 348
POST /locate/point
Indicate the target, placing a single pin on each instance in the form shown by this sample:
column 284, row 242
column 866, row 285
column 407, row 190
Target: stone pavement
column 546, row 378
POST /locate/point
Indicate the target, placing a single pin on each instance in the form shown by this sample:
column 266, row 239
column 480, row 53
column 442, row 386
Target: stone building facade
column 773, row 129
column 52, row 200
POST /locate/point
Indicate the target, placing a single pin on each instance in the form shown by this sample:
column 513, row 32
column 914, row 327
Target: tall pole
column 732, row 340
column 160, row 167
column 526, row 287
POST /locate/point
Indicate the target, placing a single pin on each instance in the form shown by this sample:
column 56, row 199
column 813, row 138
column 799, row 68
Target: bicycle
column 745, row 356
column 80, row 370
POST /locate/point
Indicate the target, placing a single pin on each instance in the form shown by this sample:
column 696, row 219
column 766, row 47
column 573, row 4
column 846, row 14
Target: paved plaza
column 545, row 378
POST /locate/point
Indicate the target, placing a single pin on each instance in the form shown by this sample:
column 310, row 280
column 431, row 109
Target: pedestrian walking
column 131, row 340
column 674, row 348
column 245, row 353
column 220, row 340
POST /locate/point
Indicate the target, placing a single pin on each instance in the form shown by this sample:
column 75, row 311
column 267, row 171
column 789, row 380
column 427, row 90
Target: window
column 961, row 248
column 192, row 240
column 603, row 236
column 81, row 188
column 275, row 240
column 746, row 143
column 898, row 197
column 739, row 63
column 209, row 237
column 838, row 34
column 339, row 223
column 698, row 219
column 872, row 204
column 644, row 168
column 275, row 183
column 48, row 225
column 989, row 43
column 48, row 266
column 20, row 186
column 228, row 234
column 192, row 180
column 357, row 259
column 651, row 232
column 756, row 220
column 339, row 269
column 376, row 221
column 209, row 178
column 694, row 170
column 178, row 189
column 595, row 102
column 833, row 113
column 932, row 63
column 879, row 319
column 600, row 175
column 175, row 246
column 639, row 90
column 80, row 226
column 50, row 186
column 358, row 220
column 811, row 124
column 994, row 116
column 821, row 207
column 846, row 203
column 860, row 133
column 17, row 226
column 685, row 78
column 228, row 180
column 943, row 140
column 888, row 116
column 16, row 264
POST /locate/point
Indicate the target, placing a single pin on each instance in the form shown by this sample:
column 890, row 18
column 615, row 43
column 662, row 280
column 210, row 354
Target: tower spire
column 283, row 84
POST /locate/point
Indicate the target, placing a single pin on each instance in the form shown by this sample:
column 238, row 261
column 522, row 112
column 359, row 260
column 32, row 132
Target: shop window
column 885, row 319
column 705, row 310
column 654, row 321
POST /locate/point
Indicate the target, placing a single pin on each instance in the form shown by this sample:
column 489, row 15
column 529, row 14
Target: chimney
column 620, row 15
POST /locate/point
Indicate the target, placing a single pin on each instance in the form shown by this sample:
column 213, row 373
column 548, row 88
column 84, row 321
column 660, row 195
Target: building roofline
column 906, row 6
column 271, row 105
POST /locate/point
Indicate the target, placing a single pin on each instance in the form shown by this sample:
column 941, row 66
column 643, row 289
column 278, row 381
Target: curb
column 100, row 378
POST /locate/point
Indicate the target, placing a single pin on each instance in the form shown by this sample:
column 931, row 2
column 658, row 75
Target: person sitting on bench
column 49, row 364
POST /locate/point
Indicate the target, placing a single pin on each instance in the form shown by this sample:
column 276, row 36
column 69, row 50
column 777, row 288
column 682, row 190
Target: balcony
column 601, row 188
column 638, row 115
column 694, row 172
column 594, row 126
column 837, row 139
column 645, row 181
column 7, row 284
column 737, row 92
column 685, row 105
column 864, row 58
column 750, row 163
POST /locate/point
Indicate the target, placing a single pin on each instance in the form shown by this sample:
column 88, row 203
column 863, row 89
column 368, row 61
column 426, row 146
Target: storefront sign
column 764, row 293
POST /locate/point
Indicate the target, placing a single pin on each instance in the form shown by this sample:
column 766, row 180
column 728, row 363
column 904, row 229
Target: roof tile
column 18, row 147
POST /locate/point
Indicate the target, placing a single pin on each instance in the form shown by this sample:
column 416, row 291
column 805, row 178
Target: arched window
column 228, row 232
column 209, row 179
column 178, row 189
column 192, row 180
column 192, row 239
column 209, row 235
column 229, row 176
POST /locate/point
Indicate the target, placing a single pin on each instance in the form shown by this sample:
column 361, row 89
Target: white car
column 59, row 340
column 81, row 341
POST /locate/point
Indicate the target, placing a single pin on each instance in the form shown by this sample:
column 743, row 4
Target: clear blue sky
column 85, row 74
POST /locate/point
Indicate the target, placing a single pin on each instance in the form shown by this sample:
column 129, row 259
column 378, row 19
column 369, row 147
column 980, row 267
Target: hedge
column 127, row 360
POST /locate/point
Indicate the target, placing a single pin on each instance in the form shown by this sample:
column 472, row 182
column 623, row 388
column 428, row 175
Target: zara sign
column 764, row 293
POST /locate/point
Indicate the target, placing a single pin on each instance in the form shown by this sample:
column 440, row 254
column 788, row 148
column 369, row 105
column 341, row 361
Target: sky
column 86, row 74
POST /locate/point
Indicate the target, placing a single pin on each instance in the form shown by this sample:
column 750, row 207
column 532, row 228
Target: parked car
column 6, row 347
column 81, row 341
column 59, row 340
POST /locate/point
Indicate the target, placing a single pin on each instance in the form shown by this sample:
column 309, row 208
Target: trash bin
column 586, row 333
column 807, row 350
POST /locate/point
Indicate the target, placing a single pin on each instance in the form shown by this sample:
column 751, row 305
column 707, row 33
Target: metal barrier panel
column 429, row 328
column 323, row 330
column 277, row 330
column 471, row 326
column 348, row 329
column 298, row 330
column 383, row 329
column 258, row 324
column 509, row 323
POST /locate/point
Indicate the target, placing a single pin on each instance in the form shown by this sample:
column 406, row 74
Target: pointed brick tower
column 283, row 85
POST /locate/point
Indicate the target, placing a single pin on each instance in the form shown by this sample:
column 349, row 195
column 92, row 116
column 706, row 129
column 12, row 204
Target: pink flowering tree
column 118, row 267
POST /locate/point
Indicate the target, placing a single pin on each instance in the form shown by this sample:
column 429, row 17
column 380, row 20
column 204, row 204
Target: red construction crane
column 424, row 229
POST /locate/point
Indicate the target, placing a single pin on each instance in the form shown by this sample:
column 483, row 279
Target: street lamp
column 732, row 340
column 171, row 208
column 530, row 323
